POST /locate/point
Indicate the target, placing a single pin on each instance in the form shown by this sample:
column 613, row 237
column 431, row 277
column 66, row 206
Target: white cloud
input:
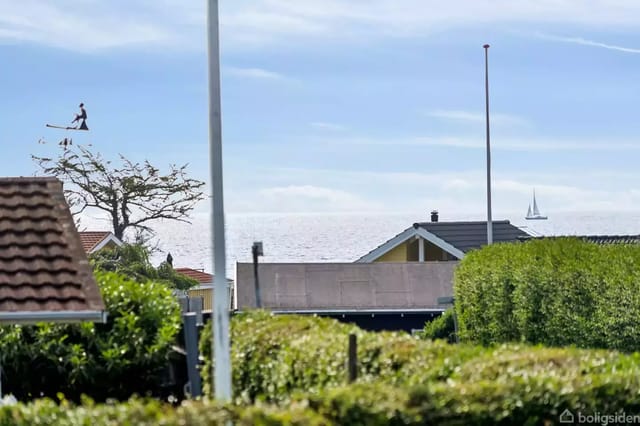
column 497, row 143
column 327, row 126
column 310, row 198
column 256, row 73
column 460, row 192
column 584, row 42
column 477, row 117
column 87, row 25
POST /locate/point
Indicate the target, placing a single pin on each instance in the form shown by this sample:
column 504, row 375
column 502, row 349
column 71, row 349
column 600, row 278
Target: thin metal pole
column 191, row 346
column 222, row 364
column 256, row 277
column 352, row 358
column 486, row 86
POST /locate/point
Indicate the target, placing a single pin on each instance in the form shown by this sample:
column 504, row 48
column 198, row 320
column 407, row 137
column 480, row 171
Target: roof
column 346, row 287
column 456, row 238
column 200, row 276
column 467, row 236
column 44, row 271
column 598, row 239
column 93, row 241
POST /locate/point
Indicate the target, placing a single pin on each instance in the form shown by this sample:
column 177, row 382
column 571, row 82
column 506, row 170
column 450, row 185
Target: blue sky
column 341, row 106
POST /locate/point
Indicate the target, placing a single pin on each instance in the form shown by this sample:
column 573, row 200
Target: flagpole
column 220, row 343
column 486, row 86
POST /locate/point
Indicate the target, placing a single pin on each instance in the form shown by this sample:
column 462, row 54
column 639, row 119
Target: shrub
column 442, row 327
column 557, row 292
column 132, row 260
column 114, row 360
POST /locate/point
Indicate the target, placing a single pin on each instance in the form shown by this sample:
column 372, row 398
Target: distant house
column 93, row 241
column 204, row 288
column 44, row 271
column 376, row 296
column 438, row 241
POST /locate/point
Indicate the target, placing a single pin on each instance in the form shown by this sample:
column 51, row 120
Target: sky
column 341, row 105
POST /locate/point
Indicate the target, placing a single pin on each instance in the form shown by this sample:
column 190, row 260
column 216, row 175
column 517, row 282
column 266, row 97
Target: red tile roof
column 44, row 271
column 200, row 276
column 90, row 239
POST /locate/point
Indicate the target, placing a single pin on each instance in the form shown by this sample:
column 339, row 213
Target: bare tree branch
column 133, row 194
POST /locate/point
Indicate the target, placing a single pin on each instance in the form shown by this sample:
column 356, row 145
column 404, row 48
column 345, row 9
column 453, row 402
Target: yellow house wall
column 202, row 292
column 398, row 254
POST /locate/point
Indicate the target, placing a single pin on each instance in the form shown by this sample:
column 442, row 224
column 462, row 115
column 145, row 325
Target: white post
column 420, row 249
column 486, row 86
column 222, row 361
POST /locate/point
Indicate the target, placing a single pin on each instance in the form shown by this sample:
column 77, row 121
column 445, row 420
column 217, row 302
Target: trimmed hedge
column 296, row 363
column 442, row 327
column 280, row 354
column 558, row 292
column 404, row 380
column 127, row 355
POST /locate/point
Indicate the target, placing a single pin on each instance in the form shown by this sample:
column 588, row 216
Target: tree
column 132, row 194
column 132, row 261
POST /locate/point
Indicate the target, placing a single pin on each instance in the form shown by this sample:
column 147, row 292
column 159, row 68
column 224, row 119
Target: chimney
column 434, row 215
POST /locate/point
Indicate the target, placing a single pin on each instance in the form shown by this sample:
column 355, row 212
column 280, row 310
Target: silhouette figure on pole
column 80, row 118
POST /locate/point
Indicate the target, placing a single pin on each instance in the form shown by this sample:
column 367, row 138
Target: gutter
column 26, row 317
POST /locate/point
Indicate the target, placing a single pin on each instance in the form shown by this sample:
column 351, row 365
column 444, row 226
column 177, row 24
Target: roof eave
column 32, row 317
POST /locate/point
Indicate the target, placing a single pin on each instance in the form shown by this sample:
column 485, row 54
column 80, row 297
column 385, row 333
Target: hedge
column 442, row 327
column 404, row 380
column 127, row 355
column 558, row 292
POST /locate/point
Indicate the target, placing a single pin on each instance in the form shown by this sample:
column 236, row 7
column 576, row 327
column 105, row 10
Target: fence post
column 352, row 361
column 191, row 346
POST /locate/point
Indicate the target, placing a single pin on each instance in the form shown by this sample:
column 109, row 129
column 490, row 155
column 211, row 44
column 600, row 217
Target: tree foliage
column 131, row 193
column 126, row 355
column 132, row 260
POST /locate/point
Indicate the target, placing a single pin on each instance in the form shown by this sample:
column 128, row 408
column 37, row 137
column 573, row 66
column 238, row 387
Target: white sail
column 536, row 212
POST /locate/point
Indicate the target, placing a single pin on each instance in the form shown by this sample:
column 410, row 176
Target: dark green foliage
column 132, row 260
column 113, row 360
column 556, row 291
column 442, row 327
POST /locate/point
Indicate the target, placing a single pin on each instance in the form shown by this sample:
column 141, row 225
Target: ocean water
column 338, row 237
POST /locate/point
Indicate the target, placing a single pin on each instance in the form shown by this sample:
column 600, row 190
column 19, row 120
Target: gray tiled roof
column 598, row 239
column 43, row 267
column 467, row 236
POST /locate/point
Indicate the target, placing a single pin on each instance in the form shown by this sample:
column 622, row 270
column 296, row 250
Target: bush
column 557, row 292
column 442, row 327
column 299, row 360
column 132, row 261
column 282, row 354
column 126, row 355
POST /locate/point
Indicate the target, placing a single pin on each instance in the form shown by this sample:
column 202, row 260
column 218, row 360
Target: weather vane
column 80, row 119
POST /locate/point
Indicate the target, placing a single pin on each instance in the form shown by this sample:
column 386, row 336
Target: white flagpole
column 222, row 361
column 486, row 86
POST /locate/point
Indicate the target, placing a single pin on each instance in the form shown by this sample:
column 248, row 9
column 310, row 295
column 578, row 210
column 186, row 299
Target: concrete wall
column 346, row 285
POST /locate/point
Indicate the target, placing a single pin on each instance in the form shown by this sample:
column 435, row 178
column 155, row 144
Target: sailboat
column 535, row 213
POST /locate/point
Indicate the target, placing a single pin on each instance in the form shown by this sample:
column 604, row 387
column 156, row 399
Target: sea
column 337, row 237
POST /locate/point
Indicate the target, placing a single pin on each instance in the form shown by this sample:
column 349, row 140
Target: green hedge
column 292, row 368
column 556, row 292
column 442, row 327
column 126, row 355
column 277, row 355
column 404, row 380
